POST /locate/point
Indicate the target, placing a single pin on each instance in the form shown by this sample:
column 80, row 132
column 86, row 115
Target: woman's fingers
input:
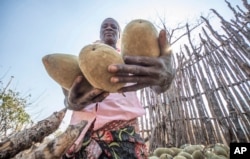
column 74, row 91
column 134, row 79
column 134, row 87
column 164, row 45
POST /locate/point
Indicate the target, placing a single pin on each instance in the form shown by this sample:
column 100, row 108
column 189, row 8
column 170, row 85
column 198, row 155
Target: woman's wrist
column 71, row 106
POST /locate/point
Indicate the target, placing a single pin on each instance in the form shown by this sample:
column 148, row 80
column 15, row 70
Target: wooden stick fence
column 209, row 100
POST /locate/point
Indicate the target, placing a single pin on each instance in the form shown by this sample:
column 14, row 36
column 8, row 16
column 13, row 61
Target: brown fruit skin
column 63, row 68
column 140, row 38
column 94, row 60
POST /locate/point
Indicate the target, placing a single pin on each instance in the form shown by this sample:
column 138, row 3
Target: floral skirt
column 122, row 143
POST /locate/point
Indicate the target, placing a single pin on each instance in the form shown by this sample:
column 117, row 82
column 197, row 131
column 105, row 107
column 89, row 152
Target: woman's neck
column 112, row 45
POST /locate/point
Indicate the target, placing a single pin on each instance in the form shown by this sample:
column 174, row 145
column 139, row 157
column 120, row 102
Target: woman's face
column 109, row 32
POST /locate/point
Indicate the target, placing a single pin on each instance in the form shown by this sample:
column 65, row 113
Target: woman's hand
column 82, row 94
column 156, row 72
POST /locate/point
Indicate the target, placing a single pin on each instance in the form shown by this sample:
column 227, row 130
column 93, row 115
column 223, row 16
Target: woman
column 112, row 130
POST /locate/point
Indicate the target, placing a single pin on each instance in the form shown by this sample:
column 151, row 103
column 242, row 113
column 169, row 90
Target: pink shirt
column 115, row 107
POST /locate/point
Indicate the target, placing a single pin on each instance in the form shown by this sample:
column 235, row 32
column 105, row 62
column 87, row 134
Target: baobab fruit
column 197, row 154
column 153, row 157
column 175, row 150
column 225, row 147
column 219, row 150
column 209, row 154
column 94, row 60
column 162, row 150
column 185, row 154
column 184, row 145
column 191, row 148
column 166, row 156
column 140, row 38
column 63, row 68
column 179, row 157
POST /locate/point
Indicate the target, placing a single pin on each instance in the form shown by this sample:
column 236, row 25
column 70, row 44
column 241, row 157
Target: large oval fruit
column 161, row 150
column 63, row 68
column 94, row 60
column 140, row 37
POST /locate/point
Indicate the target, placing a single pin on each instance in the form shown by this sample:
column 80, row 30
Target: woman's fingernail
column 112, row 68
column 114, row 80
column 79, row 79
column 106, row 94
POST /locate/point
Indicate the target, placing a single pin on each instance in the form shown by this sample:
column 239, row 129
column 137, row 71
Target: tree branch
column 22, row 140
column 55, row 148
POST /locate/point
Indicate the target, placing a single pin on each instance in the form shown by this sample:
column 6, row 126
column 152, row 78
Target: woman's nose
column 109, row 27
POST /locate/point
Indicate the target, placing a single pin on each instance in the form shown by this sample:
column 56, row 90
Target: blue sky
column 30, row 29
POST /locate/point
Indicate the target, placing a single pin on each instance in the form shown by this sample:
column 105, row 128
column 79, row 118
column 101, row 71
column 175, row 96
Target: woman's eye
column 113, row 26
column 104, row 26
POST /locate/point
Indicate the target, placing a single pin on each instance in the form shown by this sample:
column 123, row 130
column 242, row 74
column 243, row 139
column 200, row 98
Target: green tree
column 13, row 116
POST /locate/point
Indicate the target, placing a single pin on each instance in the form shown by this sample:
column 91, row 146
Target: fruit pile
column 188, row 151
